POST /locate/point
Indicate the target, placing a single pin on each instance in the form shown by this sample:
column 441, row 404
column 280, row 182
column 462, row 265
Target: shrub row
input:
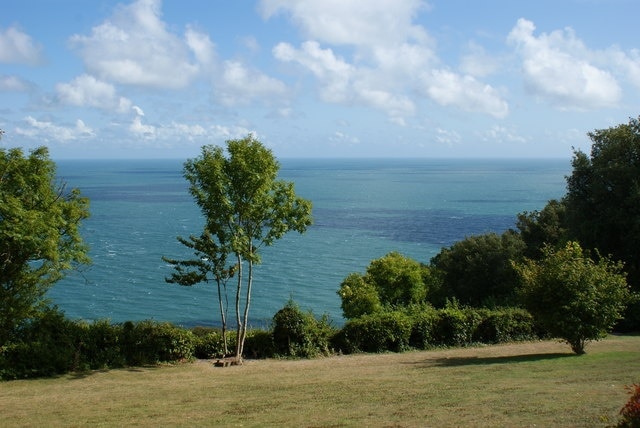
column 52, row 344
column 427, row 328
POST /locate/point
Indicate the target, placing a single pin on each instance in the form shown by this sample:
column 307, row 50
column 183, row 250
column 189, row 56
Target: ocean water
column 362, row 208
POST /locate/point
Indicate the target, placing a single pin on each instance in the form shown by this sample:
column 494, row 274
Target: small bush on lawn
column 631, row 411
column 300, row 334
column 377, row 332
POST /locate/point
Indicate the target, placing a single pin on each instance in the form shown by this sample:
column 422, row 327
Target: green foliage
column 245, row 208
column 377, row 332
column 259, row 344
column 300, row 334
column 603, row 201
column 390, row 281
column 505, row 325
column 100, row 345
column 39, row 234
column 455, row 326
column 209, row 343
column 630, row 412
column 478, row 269
column 541, row 228
column 358, row 297
column 45, row 346
column 398, row 279
column 150, row 342
column 573, row 297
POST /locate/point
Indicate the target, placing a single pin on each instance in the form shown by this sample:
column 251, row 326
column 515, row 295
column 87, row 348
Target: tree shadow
column 478, row 361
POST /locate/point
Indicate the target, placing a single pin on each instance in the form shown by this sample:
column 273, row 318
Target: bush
column 631, row 411
column 208, row 343
column 378, row 332
column 47, row 345
column 150, row 342
column 100, row 345
column 423, row 326
column 300, row 334
column 505, row 325
column 259, row 344
column 455, row 326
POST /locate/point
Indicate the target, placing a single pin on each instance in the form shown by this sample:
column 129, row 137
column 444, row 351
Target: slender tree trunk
column 239, row 320
column 223, row 319
column 246, row 306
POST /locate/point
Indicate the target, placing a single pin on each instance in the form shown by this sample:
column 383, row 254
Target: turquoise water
column 363, row 209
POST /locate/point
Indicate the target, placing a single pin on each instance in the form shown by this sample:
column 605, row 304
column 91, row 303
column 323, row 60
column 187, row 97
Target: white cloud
column 86, row 90
column 353, row 22
column 240, row 86
column 465, row 92
column 447, row 137
column 17, row 47
column 48, row 131
column 501, row 134
column 14, row 83
column 557, row 67
column 393, row 58
column 175, row 132
column 134, row 47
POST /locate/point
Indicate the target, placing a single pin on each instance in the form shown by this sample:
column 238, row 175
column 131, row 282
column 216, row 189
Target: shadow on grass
column 478, row 361
column 88, row 373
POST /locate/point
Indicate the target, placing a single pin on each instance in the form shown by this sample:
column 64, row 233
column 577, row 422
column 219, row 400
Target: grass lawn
column 525, row 384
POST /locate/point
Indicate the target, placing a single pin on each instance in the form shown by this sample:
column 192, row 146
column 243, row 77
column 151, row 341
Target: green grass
column 525, row 384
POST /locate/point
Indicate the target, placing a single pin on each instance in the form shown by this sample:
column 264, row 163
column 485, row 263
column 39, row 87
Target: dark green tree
column 245, row 207
column 545, row 227
column 603, row 196
column 573, row 297
column 40, row 237
column 477, row 270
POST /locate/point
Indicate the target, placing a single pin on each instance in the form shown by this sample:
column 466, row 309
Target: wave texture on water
column 362, row 209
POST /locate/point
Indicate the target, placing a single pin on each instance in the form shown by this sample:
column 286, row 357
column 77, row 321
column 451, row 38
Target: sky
column 316, row 78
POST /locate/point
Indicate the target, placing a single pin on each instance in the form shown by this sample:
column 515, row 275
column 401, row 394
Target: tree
column 603, row 196
column 545, row 227
column 245, row 208
column 39, row 234
column 390, row 281
column 478, row 270
column 603, row 202
column 358, row 297
column 571, row 296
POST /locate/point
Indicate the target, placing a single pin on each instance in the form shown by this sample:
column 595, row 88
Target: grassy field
column 525, row 384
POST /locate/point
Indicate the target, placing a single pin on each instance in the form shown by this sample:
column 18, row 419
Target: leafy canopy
column 39, row 233
column 573, row 297
column 245, row 207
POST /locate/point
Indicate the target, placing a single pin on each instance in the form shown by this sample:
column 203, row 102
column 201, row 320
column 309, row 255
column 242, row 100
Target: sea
column 362, row 210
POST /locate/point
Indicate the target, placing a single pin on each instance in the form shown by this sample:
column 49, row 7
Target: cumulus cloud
column 465, row 92
column 477, row 62
column 354, row 22
column 87, row 91
column 134, row 47
column 49, row 131
column 240, row 85
column 392, row 57
column 558, row 67
column 17, row 47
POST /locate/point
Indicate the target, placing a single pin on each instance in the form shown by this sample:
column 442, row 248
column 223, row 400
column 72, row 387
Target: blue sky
column 316, row 78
